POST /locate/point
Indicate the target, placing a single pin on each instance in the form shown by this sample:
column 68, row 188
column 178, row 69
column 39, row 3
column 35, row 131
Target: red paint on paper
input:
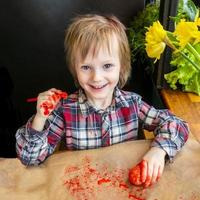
column 103, row 180
column 123, row 185
column 88, row 180
column 132, row 196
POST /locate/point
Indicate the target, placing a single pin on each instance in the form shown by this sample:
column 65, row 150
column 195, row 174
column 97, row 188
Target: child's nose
column 97, row 75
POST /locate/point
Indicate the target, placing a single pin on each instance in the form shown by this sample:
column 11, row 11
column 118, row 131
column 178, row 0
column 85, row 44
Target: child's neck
column 101, row 104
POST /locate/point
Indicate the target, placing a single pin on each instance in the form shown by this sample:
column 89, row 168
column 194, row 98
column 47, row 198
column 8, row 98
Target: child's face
column 98, row 74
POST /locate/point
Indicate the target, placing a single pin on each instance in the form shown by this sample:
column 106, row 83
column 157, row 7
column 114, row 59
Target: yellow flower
column 155, row 40
column 155, row 50
column 187, row 32
column 197, row 21
column 197, row 36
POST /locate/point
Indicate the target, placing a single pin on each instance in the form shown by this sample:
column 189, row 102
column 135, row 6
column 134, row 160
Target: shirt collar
column 86, row 108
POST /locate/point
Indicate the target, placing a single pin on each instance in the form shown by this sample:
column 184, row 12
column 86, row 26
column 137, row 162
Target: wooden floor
column 186, row 106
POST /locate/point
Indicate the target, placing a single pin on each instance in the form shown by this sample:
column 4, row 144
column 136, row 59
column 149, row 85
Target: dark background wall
column 32, row 54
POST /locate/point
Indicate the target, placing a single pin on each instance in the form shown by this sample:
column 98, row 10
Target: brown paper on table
column 100, row 174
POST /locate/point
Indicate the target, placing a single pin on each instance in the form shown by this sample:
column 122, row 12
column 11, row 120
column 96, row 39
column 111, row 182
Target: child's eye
column 85, row 67
column 107, row 66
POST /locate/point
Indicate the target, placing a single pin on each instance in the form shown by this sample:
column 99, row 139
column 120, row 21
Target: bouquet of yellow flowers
column 185, row 44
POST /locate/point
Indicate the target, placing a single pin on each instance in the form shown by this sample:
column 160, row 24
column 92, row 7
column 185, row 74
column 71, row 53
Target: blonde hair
column 96, row 30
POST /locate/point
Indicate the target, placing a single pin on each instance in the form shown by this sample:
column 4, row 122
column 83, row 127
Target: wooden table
column 186, row 106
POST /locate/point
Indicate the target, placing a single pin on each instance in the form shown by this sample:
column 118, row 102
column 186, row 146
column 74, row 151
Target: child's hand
column 47, row 101
column 155, row 158
column 149, row 170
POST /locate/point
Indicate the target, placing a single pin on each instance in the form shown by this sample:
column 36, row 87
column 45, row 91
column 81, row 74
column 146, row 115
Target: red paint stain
column 50, row 104
column 132, row 196
column 91, row 170
column 88, row 180
column 191, row 196
column 103, row 180
column 123, row 185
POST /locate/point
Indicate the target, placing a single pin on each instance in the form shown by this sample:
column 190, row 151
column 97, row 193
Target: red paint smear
column 103, row 180
column 123, row 185
column 86, row 181
column 132, row 196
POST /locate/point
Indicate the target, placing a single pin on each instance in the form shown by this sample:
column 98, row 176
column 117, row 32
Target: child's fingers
column 54, row 97
column 48, row 95
column 54, row 90
column 47, row 107
column 144, row 171
column 148, row 181
column 48, row 100
column 155, row 174
column 149, row 175
column 160, row 171
column 45, row 95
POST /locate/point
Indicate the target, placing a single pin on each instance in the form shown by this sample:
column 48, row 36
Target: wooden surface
column 186, row 106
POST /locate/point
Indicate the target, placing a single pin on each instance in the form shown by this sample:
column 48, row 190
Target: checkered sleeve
column 170, row 132
column 32, row 146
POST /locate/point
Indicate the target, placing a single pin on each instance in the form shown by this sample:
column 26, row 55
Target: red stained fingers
column 63, row 95
column 142, row 175
column 160, row 170
column 50, row 104
column 144, row 170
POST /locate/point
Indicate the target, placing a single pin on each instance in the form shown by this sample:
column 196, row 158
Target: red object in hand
column 31, row 99
column 49, row 105
column 135, row 174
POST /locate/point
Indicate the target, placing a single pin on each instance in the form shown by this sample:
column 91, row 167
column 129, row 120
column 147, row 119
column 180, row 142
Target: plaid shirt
column 85, row 127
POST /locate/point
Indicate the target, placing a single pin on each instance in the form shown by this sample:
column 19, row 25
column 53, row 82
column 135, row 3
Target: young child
column 100, row 113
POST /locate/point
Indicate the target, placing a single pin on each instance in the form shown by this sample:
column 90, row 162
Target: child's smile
column 98, row 87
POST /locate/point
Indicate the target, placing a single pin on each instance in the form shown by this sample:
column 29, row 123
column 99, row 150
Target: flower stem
column 192, row 50
column 194, row 64
column 189, row 47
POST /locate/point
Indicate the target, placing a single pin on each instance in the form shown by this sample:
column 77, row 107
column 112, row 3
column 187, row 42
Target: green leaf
column 186, row 10
column 193, row 84
column 181, row 75
column 136, row 33
column 190, row 9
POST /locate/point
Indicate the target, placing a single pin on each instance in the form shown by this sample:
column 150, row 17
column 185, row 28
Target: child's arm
column 170, row 132
column 38, row 138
